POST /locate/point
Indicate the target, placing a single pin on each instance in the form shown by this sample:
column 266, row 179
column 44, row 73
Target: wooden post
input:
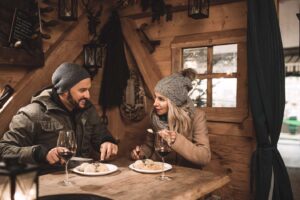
column 144, row 60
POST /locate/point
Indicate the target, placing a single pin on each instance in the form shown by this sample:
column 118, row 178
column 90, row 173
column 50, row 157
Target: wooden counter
column 187, row 183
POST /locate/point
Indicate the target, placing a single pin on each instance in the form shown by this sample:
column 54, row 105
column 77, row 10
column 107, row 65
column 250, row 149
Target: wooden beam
column 144, row 60
column 19, row 57
column 135, row 12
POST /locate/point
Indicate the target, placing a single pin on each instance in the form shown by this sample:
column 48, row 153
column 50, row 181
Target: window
column 219, row 58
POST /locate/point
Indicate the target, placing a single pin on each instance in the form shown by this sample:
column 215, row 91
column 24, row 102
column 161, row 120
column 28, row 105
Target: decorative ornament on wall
column 125, row 3
column 149, row 44
column 94, row 57
column 94, row 51
column 68, row 10
column 20, row 34
column 158, row 9
column 44, row 24
column 198, row 9
column 134, row 104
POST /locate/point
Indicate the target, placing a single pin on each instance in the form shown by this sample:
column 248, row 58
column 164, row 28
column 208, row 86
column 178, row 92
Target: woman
column 176, row 119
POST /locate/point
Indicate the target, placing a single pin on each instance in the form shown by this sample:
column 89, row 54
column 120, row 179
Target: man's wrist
column 39, row 154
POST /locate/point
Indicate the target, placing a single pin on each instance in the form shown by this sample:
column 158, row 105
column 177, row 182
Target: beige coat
column 191, row 151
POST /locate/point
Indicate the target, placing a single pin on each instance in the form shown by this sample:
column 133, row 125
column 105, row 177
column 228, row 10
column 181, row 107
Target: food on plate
column 147, row 164
column 92, row 167
column 82, row 166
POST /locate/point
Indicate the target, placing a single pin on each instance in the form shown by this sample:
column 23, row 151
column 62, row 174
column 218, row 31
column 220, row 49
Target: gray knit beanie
column 176, row 86
column 67, row 75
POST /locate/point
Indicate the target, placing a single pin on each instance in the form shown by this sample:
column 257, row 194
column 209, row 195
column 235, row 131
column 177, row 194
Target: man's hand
column 108, row 149
column 53, row 157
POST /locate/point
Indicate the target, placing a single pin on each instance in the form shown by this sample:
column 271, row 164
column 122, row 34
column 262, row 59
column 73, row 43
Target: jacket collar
column 51, row 101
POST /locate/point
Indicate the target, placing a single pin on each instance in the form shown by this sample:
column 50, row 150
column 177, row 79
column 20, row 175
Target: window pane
column 224, row 92
column 198, row 93
column 292, row 96
column 225, row 58
column 195, row 58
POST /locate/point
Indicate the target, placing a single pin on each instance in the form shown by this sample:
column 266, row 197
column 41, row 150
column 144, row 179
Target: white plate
column 111, row 168
column 148, row 171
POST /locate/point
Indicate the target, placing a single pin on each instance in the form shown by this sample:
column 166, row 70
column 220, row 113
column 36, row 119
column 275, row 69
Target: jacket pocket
column 51, row 126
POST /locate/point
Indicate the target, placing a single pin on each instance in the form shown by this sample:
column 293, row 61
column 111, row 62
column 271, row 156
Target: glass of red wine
column 67, row 143
column 163, row 149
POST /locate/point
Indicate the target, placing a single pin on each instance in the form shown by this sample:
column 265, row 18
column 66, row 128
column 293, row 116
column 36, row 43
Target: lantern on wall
column 18, row 181
column 94, row 57
column 198, row 9
column 68, row 10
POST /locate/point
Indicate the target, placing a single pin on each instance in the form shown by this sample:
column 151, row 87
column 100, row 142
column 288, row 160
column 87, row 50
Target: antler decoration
column 158, row 9
column 94, row 20
column 150, row 44
column 43, row 23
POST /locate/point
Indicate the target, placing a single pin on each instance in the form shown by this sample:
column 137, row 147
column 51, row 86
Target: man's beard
column 75, row 104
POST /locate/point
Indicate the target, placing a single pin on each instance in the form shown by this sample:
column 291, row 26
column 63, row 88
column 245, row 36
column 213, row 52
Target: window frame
column 224, row 114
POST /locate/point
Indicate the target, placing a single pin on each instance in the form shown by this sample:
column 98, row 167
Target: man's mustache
column 83, row 99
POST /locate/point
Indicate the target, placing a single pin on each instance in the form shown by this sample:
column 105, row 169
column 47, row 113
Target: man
column 34, row 129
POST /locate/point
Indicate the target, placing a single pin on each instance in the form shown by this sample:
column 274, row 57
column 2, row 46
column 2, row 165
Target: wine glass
column 67, row 141
column 163, row 149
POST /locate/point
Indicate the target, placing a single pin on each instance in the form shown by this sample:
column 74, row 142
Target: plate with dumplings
column 95, row 169
column 149, row 166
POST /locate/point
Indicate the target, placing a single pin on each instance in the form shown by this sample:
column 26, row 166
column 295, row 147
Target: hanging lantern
column 94, row 57
column 198, row 9
column 68, row 10
column 18, row 181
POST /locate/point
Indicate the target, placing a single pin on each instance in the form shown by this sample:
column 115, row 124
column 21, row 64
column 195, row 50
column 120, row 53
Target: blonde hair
column 179, row 118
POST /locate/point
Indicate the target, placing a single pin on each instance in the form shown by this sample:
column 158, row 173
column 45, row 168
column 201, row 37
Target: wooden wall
column 231, row 143
column 65, row 45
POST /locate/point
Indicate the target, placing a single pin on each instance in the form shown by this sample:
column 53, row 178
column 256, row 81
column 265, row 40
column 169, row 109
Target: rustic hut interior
column 243, row 53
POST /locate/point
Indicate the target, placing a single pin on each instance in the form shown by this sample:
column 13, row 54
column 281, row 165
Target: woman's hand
column 169, row 136
column 137, row 153
column 107, row 150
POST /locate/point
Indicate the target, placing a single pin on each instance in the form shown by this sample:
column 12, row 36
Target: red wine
column 163, row 153
column 66, row 155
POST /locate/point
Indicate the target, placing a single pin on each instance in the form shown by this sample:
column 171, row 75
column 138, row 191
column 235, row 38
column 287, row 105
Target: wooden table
column 187, row 183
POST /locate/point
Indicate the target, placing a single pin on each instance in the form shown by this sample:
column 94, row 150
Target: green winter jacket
column 33, row 131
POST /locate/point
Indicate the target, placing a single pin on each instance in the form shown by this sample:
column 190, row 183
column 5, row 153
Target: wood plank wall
column 232, row 143
column 65, row 45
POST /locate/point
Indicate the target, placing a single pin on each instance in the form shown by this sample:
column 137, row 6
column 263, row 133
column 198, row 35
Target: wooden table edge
column 210, row 188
